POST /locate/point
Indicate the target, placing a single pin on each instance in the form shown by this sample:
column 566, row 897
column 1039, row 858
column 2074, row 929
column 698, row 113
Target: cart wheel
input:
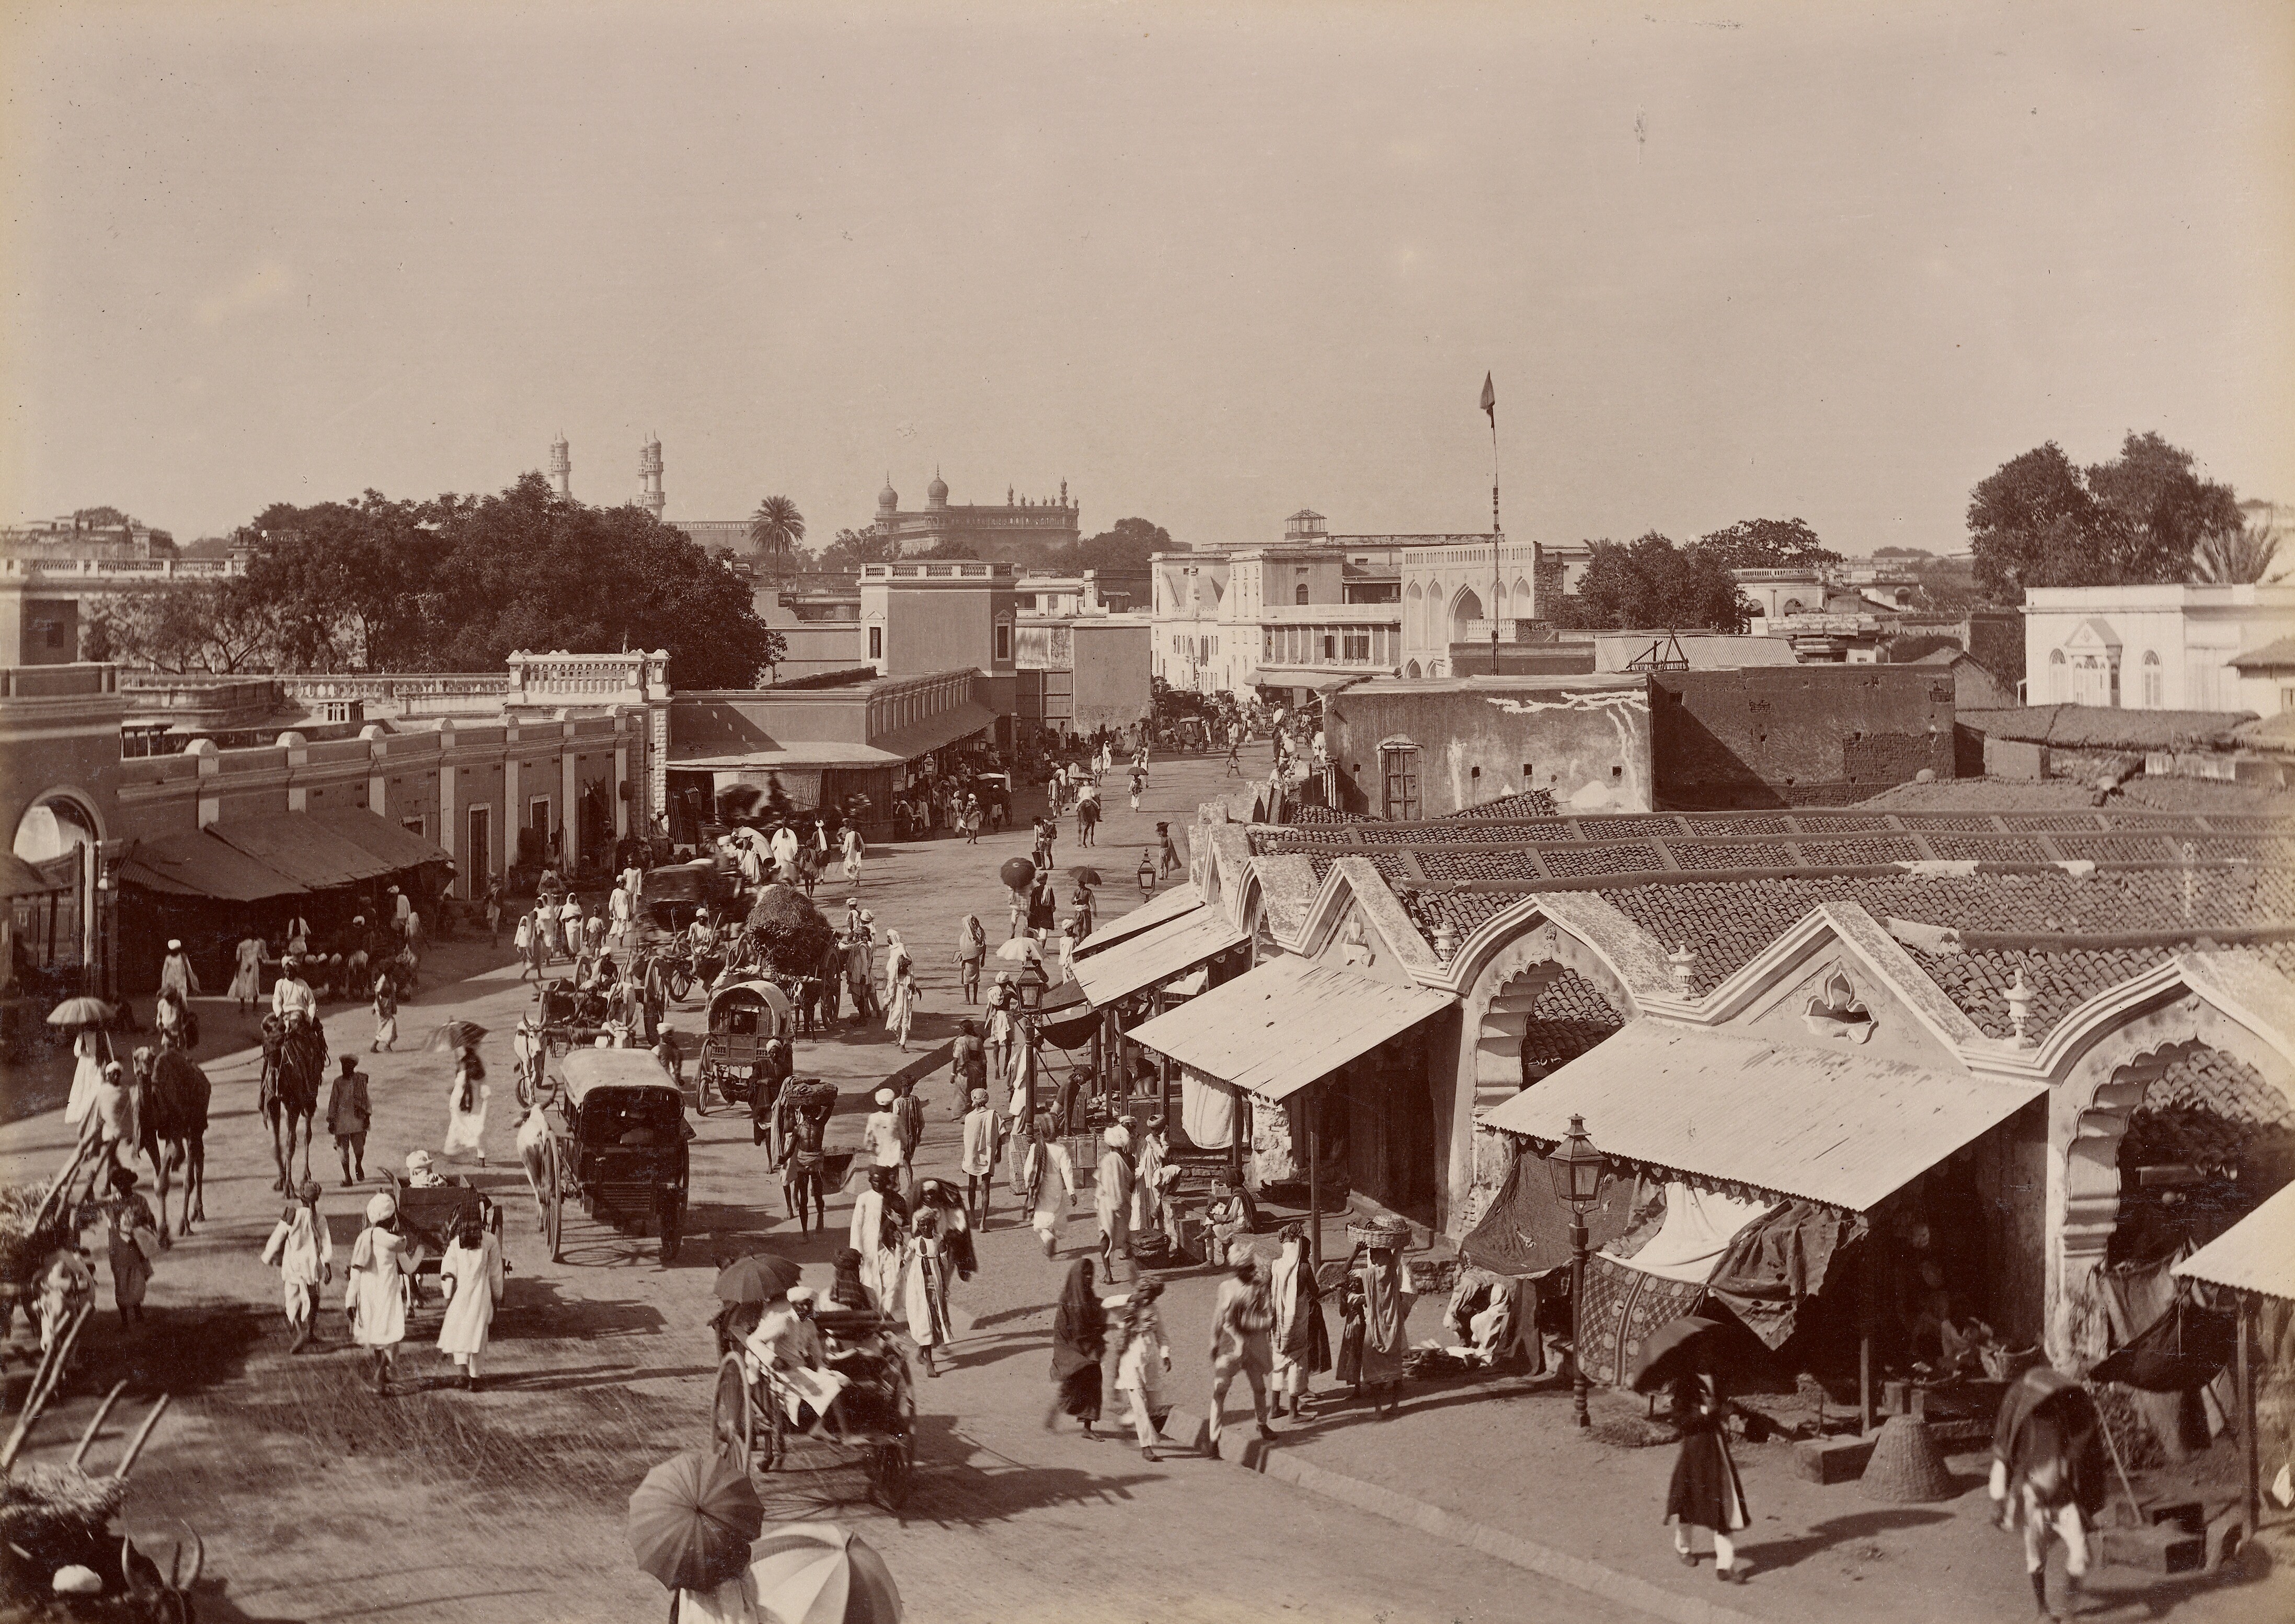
column 892, row 1474
column 527, row 1070
column 732, row 1419
column 553, row 1202
column 680, row 982
column 670, row 1216
column 701, row 1086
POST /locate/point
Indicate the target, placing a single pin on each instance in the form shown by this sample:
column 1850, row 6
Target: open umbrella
column 1019, row 950
column 1087, row 876
column 817, row 1573
column 693, row 1519
column 456, row 1035
column 759, row 1278
column 1669, row 1352
column 80, row 1012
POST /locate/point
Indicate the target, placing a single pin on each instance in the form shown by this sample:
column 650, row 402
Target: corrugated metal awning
column 1168, row 905
column 198, row 864
column 1285, row 1024
column 1837, row 1126
column 399, row 846
column 301, row 848
column 1156, row 954
column 2255, row 1254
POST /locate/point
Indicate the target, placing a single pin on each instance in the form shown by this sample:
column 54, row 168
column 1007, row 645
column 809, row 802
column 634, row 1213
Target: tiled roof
column 1569, row 1018
column 1530, row 803
column 2103, row 726
column 1542, row 848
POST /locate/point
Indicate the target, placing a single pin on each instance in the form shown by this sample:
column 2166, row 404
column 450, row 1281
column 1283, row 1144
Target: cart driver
column 785, row 1350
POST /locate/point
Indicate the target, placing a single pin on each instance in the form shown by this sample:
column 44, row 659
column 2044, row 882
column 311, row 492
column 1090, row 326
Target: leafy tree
column 1768, row 544
column 776, row 528
column 2236, row 558
column 1122, row 548
column 204, row 627
column 2142, row 518
column 1902, row 552
column 1651, row 583
column 2159, row 509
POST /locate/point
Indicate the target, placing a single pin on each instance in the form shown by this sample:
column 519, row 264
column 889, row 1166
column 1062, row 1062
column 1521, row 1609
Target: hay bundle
column 23, row 1248
column 42, row 1507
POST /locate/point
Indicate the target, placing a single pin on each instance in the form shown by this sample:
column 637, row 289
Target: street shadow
column 1006, row 1315
column 1773, row 1555
column 953, row 1492
column 212, row 1601
column 533, row 1309
column 595, row 1376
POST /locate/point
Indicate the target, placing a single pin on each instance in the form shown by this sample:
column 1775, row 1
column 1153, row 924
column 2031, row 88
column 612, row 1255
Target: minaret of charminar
column 562, row 465
column 649, row 496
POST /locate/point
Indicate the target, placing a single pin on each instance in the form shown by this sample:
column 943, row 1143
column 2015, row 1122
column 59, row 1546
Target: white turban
column 884, row 1097
column 1117, row 1139
column 380, row 1208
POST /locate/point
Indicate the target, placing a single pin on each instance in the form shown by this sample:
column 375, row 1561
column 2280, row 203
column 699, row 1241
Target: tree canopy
column 775, row 528
column 1651, row 583
column 456, row 583
column 2038, row 520
column 1768, row 544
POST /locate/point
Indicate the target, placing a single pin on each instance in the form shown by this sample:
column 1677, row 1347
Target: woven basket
column 1385, row 1234
column 1905, row 1468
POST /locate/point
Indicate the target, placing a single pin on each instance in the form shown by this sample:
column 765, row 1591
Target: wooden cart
column 617, row 1142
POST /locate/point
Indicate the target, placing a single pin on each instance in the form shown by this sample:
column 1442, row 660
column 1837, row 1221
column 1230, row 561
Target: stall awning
column 398, row 846
column 1287, row 1024
column 1155, row 954
column 198, row 864
column 302, row 848
column 2255, row 1254
column 20, row 878
column 923, row 738
column 1839, row 1127
column 1168, row 905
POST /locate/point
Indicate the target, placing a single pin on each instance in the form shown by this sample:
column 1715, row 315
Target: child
column 305, row 1254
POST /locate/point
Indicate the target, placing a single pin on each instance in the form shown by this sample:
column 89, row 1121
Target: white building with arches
column 2151, row 647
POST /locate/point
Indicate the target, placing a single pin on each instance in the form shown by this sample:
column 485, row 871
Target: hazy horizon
column 1208, row 266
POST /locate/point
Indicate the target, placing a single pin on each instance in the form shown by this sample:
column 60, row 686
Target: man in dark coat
column 347, row 1114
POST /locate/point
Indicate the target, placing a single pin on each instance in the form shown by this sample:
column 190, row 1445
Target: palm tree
column 2235, row 557
column 775, row 528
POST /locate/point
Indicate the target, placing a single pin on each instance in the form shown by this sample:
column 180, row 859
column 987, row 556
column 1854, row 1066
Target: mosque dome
column 888, row 498
column 936, row 493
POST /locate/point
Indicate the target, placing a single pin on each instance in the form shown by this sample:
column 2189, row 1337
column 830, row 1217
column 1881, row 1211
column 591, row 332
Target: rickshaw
column 618, row 1141
column 874, row 1417
column 429, row 1216
column 743, row 1018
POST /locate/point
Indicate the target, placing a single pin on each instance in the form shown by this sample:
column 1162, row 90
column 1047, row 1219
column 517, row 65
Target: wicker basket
column 1387, row 1233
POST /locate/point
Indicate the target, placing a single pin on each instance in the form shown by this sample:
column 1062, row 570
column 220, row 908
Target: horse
column 171, row 1114
column 294, row 1060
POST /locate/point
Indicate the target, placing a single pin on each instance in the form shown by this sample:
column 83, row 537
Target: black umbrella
column 1670, row 1351
column 693, row 1519
column 1087, row 876
column 759, row 1278
column 456, row 1035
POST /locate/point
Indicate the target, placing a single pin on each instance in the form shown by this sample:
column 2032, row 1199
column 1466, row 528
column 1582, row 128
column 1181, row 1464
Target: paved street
column 320, row 1501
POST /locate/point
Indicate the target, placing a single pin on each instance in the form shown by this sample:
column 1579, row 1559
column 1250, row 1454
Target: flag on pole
column 1489, row 399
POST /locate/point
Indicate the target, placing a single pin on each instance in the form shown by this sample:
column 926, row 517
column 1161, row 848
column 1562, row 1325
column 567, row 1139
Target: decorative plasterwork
column 1629, row 957
column 1836, row 1013
column 1353, row 883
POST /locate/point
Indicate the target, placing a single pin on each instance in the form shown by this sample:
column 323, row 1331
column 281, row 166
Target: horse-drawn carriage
column 873, row 1418
column 617, row 1141
column 744, row 1019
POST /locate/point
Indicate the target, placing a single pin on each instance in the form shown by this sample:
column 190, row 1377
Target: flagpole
column 1495, row 534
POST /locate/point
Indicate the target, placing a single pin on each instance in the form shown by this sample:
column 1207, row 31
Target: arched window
column 1299, row 592
column 1414, row 606
column 2056, row 675
column 2155, row 681
column 1411, row 670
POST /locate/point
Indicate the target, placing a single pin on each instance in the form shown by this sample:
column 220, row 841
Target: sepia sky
column 1209, row 264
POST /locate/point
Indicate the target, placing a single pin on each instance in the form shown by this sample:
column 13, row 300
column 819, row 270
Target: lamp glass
column 1576, row 1169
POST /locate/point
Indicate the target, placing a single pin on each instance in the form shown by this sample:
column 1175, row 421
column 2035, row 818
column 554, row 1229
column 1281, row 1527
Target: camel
column 171, row 1114
column 294, row 1059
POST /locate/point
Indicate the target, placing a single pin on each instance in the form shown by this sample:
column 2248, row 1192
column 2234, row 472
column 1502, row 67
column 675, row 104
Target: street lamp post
column 1031, row 983
column 1576, row 1169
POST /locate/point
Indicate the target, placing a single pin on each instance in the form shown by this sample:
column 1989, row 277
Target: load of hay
column 58, row 1510
column 790, row 931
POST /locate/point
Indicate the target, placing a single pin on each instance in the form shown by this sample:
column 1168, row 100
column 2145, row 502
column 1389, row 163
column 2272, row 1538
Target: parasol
column 817, row 1573
column 1017, row 873
column 1087, row 876
column 759, row 1278
column 456, row 1034
column 1019, row 949
column 80, row 1012
column 1670, row 1351
column 693, row 1519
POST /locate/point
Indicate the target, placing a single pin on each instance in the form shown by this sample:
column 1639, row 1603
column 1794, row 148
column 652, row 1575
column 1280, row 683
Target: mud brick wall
column 1798, row 735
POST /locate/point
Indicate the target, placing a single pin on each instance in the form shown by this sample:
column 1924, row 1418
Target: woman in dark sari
column 1078, row 1338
